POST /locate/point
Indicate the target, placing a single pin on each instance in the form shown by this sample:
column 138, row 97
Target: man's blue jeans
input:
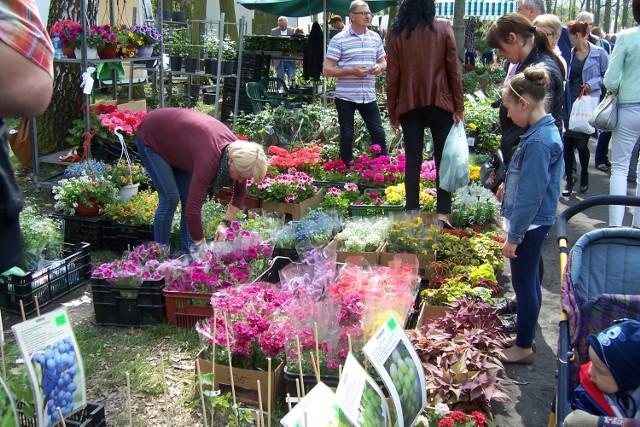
column 370, row 114
column 172, row 185
column 286, row 67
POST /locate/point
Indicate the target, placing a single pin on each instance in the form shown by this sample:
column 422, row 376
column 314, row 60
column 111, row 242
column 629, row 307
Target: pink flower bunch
column 290, row 187
column 257, row 324
column 299, row 157
column 428, row 170
column 141, row 264
column 379, row 170
column 126, row 120
column 243, row 257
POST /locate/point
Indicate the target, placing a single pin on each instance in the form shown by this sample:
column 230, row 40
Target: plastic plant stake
column 289, row 402
column 61, row 417
column 269, row 391
column 261, row 413
column 300, row 362
column 233, row 387
column 164, row 386
column 35, row 299
column 298, row 388
column 315, row 331
column 24, row 317
column 126, row 374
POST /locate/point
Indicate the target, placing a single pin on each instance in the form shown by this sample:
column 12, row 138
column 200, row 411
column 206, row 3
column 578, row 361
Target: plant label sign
column 52, row 358
column 360, row 398
column 318, row 408
column 399, row 366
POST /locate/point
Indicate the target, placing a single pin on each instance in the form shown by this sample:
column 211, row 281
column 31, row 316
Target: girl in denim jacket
column 529, row 200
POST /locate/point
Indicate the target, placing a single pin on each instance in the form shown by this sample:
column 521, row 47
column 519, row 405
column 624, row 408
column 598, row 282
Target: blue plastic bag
column 454, row 167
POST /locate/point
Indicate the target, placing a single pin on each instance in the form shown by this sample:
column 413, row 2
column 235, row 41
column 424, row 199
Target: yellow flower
column 472, row 126
column 474, row 173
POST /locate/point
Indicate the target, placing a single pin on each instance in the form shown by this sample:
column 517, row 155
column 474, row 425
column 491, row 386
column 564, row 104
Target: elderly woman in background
column 622, row 77
column 186, row 152
column 423, row 90
column 552, row 27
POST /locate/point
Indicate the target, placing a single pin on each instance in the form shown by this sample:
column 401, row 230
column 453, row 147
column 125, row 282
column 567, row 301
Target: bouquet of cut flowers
column 291, row 187
column 257, row 322
column 239, row 259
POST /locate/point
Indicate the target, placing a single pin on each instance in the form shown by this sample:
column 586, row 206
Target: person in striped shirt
column 26, row 85
column 354, row 57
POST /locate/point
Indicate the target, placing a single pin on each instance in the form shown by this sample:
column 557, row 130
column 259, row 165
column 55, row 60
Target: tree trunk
column 228, row 7
column 458, row 28
column 624, row 21
column 606, row 23
column 67, row 94
column 263, row 22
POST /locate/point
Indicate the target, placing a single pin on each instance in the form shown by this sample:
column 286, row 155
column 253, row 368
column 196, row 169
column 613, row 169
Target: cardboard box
column 342, row 255
column 385, row 258
column 430, row 312
column 245, row 381
column 296, row 210
column 133, row 105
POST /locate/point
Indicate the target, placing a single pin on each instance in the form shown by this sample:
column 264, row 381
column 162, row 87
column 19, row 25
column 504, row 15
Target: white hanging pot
column 92, row 53
column 127, row 192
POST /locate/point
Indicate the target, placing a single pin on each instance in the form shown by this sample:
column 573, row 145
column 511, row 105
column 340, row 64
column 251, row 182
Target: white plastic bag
column 454, row 167
column 580, row 113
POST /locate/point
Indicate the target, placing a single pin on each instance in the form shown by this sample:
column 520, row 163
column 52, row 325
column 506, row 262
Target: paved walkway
column 532, row 388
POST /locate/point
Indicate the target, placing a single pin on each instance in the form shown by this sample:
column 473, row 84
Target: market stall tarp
column 481, row 9
column 297, row 8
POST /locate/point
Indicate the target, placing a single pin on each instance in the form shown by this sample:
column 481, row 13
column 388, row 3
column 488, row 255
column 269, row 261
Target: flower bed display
column 58, row 278
column 295, row 210
column 361, row 237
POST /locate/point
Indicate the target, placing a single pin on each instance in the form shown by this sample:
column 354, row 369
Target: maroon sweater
column 193, row 142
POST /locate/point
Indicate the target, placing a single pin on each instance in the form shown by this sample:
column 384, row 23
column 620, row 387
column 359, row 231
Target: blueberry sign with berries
column 53, row 362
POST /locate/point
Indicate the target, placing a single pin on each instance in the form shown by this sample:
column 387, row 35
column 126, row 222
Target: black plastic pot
column 175, row 63
column 210, row 66
column 166, row 15
column 178, row 16
column 209, row 98
column 227, row 67
column 190, row 65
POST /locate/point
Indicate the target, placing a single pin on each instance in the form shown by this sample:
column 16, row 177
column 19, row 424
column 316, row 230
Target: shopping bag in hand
column 454, row 166
column 580, row 113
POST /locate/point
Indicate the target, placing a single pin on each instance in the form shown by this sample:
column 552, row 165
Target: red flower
column 242, row 138
column 458, row 416
column 478, row 418
column 446, row 422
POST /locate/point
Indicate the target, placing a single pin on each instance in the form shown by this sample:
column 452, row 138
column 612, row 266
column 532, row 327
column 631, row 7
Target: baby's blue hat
column 619, row 348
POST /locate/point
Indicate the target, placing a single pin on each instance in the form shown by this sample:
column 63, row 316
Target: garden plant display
column 300, row 158
column 212, row 213
column 341, row 199
column 459, row 354
column 441, row 415
column 42, row 239
column 90, row 167
column 121, row 173
column 396, row 195
column 363, row 234
column 316, row 228
column 290, row 187
column 473, row 204
column 410, row 234
column 85, row 190
column 464, row 247
column 140, row 210
column 103, row 120
column 68, row 31
column 144, row 262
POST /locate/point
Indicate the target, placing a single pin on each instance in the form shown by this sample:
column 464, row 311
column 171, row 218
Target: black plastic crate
column 290, row 253
column 120, row 237
column 88, row 229
column 53, row 281
column 128, row 306
column 92, row 415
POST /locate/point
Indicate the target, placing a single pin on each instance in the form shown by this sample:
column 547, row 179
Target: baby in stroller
column 609, row 390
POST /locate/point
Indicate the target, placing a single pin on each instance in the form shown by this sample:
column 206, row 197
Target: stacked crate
column 254, row 67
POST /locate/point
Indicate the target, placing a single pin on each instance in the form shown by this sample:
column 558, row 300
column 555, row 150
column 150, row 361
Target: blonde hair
column 356, row 4
column 249, row 159
column 550, row 21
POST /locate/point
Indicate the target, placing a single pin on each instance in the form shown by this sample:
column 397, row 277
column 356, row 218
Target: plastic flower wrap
column 257, row 325
column 140, row 264
column 238, row 260
column 364, row 234
column 316, row 228
column 42, row 239
column 264, row 224
column 309, row 278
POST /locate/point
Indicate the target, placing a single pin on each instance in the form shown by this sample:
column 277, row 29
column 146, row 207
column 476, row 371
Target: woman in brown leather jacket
column 424, row 89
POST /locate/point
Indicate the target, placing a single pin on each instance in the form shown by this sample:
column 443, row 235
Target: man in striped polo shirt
column 355, row 56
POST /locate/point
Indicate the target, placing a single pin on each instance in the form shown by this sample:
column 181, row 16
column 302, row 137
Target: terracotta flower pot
column 83, row 210
column 69, row 52
column 109, row 51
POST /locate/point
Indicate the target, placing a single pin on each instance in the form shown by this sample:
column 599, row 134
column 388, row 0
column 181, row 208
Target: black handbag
column 493, row 171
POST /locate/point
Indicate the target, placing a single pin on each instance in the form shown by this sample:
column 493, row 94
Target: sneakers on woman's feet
column 507, row 306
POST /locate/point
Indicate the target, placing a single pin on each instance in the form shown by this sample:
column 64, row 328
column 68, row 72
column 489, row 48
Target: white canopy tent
column 480, row 9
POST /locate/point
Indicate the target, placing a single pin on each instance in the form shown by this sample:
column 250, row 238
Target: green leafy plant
column 221, row 406
column 482, row 120
column 42, row 238
column 464, row 247
column 120, row 174
column 178, row 39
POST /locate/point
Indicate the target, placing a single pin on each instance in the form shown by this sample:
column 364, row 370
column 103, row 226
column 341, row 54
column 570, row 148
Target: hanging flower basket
column 127, row 192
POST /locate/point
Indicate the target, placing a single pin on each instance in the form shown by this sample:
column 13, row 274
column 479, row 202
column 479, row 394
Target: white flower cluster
column 472, row 194
column 364, row 234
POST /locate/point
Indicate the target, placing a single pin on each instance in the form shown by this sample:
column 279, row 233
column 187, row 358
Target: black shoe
column 510, row 322
column 507, row 306
column 584, row 183
column 568, row 189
